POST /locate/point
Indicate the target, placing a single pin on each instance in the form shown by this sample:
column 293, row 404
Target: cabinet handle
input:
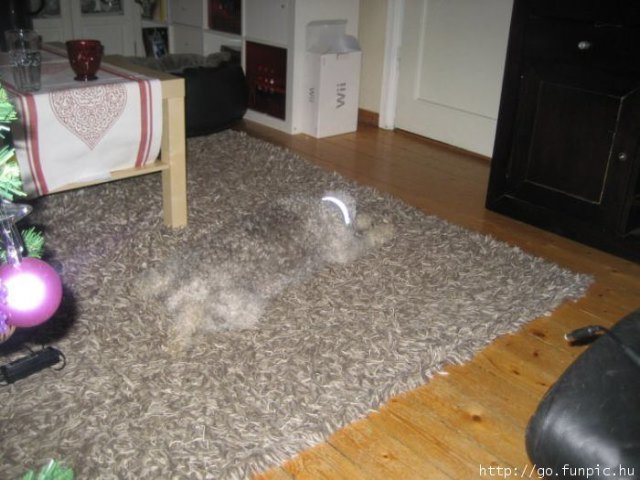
column 584, row 45
column 622, row 156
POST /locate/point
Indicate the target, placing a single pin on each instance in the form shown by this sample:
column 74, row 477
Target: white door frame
column 393, row 42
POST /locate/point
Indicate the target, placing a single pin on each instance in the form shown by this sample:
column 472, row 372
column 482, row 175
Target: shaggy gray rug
column 265, row 325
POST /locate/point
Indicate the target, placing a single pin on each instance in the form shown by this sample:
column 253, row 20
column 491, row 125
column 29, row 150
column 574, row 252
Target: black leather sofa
column 587, row 426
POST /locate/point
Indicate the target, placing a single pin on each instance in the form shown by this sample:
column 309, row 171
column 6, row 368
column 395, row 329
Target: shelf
column 231, row 36
column 153, row 24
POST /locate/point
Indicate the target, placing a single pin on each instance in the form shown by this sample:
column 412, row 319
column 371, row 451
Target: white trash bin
column 332, row 79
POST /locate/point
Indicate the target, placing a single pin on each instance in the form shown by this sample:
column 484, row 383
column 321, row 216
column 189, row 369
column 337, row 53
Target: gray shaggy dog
column 267, row 251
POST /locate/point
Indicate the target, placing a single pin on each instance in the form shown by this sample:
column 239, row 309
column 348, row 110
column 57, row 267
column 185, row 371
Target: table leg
column 174, row 179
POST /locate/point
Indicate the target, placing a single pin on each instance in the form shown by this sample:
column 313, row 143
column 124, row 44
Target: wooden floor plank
column 274, row 474
column 515, row 404
column 421, row 445
column 552, row 329
column 334, row 465
column 483, row 424
column 382, row 456
column 475, row 414
column 459, row 447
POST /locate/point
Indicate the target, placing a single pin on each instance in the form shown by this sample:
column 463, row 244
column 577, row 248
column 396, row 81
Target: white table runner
column 72, row 131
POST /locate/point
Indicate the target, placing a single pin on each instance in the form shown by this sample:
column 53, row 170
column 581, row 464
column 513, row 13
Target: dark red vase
column 85, row 57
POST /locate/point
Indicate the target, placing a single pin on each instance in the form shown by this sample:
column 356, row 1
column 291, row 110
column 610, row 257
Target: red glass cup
column 85, row 57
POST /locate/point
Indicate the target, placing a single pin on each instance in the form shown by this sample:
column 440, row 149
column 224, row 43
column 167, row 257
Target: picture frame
column 156, row 41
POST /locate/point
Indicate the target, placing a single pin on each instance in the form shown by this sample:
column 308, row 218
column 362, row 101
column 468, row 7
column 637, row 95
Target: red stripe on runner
column 144, row 123
column 31, row 137
column 23, row 110
column 31, row 144
column 146, row 109
column 151, row 126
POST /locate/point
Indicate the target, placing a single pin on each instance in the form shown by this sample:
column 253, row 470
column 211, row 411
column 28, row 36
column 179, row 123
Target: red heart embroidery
column 89, row 112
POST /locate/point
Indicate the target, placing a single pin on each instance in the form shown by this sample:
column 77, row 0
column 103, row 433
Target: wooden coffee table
column 172, row 160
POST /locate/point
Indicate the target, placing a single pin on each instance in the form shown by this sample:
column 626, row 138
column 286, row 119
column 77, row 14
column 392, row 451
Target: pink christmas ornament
column 30, row 292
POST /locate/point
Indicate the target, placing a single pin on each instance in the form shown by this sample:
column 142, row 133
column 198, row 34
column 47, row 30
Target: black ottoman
column 216, row 90
column 215, row 97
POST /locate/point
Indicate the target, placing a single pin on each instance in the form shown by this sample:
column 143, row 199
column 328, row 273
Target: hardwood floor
column 475, row 415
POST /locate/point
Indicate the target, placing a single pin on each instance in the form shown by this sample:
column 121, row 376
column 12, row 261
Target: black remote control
column 30, row 364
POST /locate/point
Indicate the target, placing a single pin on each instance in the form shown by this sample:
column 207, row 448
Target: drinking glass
column 26, row 58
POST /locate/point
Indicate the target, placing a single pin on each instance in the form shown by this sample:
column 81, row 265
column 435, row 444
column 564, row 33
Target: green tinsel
column 7, row 110
column 10, row 181
column 51, row 471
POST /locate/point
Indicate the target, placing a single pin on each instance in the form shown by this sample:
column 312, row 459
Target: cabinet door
column 268, row 21
column 576, row 136
column 186, row 39
column 188, row 12
column 54, row 21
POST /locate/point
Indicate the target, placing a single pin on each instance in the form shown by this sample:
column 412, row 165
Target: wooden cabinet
column 280, row 27
column 190, row 28
column 272, row 38
column 566, row 156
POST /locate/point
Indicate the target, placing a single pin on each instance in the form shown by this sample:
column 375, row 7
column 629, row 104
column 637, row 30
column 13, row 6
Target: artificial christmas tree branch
column 18, row 274
column 44, row 283
column 10, row 181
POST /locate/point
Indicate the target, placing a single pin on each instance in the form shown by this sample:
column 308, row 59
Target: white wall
column 371, row 35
